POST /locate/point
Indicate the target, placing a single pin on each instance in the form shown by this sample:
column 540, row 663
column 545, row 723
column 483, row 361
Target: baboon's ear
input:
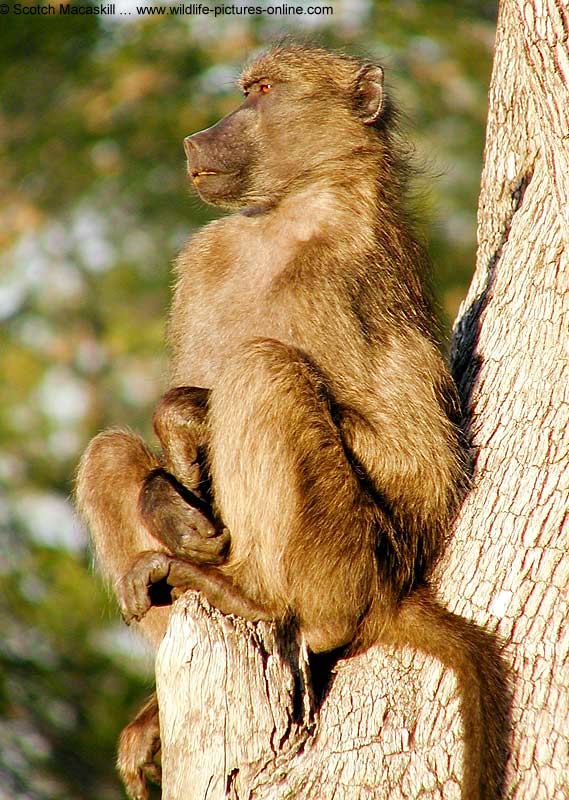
column 369, row 93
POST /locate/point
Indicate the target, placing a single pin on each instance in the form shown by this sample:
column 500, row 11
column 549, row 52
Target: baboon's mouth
column 196, row 174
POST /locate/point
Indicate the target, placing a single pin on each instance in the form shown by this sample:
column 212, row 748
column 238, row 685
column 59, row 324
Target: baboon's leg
column 111, row 475
column 138, row 745
column 126, row 495
column 302, row 526
column 131, row 505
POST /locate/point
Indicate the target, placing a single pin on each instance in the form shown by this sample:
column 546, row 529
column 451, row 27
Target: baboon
column 311, row 460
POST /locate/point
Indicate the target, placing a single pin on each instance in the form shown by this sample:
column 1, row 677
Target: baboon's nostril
column 190, row 145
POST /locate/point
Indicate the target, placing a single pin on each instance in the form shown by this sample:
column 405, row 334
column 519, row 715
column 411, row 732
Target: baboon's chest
column 241, row 285
column 221, row 317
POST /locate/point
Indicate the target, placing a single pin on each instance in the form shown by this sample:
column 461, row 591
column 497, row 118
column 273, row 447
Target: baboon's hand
column 133, row 590
column 182, row 520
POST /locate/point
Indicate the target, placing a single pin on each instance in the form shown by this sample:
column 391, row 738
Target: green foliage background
column 94, row 205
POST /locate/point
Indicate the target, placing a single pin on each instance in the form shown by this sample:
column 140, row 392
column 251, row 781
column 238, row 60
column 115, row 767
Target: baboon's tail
column 473, row 654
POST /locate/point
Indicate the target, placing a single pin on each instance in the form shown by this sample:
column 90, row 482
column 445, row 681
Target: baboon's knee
column 271, row 364
column 110, row 477
column 113, row 458
column 182, row 407
column 272, row 356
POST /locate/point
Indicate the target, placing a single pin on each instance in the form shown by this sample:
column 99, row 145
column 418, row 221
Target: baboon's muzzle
column 218, row 158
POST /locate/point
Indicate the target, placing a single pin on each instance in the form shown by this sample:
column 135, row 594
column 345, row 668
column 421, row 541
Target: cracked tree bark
column 237, row 715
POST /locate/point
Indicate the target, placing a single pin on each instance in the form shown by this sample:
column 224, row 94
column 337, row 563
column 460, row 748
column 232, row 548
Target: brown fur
column 329, row 426
column 138, row 748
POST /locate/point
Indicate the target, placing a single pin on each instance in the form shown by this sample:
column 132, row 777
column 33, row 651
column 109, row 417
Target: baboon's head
column 308, row 115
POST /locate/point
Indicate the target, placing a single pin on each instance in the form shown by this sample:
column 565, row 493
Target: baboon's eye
column 261, row 87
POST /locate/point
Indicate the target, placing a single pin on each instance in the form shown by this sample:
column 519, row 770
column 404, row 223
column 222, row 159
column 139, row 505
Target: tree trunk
column 237, row 714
